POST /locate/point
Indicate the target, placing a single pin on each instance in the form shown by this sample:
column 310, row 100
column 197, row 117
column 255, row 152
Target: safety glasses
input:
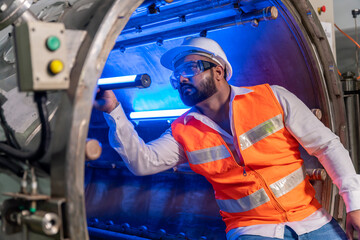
column 188, row 70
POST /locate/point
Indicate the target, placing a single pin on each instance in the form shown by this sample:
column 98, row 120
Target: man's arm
column 318, row 140
column 141, row 159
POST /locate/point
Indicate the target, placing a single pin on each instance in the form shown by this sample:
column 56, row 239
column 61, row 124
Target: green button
column 53, row 43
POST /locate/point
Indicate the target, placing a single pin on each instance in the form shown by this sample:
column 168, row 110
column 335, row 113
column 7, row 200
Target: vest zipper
column 242, row 163
column 244, row 172
column 278, row 205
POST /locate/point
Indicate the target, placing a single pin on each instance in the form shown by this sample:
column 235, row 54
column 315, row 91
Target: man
column 245, row 142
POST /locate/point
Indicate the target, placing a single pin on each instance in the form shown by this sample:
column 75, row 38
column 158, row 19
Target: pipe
column 209, row 25
column 12, row 11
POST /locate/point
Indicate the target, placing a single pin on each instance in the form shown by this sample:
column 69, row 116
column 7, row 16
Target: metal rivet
column 143, row 228
column 109, row 222
column 254, row 23
column 162, row 232
column 181, row 235
column 138, row 29
column 182, row 18
column 125, row 226
column 203, row 33
column 160, row 42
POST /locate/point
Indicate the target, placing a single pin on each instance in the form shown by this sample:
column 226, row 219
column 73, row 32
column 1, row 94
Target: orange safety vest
column 269, row 184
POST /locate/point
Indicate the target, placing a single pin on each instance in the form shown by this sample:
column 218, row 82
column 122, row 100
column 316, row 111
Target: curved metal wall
column 291, row 51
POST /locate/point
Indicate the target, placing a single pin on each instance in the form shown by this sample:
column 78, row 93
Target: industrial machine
column 59, row 177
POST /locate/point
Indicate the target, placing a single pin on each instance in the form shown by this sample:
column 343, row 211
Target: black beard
column 206, row 89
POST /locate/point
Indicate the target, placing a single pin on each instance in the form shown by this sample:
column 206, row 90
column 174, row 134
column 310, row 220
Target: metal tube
column 268, row 13
column 11, row 11
column 352, row 112
column 214, row 24
column 43, row 222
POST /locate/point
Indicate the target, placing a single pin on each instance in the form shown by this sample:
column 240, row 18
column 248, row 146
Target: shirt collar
column 235, row 91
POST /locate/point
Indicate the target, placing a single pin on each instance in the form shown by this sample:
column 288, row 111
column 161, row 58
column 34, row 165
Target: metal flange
column 11, row 10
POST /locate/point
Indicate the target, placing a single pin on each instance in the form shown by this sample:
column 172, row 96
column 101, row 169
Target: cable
column 12, row 166
column 40, row 98
column 356, row 49
column 10, row 138
column 347, row 36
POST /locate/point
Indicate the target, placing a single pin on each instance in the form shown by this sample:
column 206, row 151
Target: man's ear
column 219, row 73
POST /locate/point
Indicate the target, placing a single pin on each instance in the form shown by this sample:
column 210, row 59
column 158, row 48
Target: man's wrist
column 112, row 109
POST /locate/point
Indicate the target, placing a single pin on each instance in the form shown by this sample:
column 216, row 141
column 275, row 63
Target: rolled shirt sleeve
column 141, row 158
column 320, row 141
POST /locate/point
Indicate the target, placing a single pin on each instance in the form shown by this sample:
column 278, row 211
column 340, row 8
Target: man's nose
column 184, row 79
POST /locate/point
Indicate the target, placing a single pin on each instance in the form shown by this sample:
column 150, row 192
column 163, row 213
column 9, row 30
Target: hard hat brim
column 169, row 57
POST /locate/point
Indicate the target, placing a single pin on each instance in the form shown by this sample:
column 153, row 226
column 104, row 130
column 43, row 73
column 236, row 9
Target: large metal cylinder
column 113, row 37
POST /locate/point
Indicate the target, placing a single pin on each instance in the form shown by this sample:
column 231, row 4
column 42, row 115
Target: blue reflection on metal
column 160, row 98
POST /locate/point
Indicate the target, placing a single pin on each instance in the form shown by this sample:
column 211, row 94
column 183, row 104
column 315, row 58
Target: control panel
column 325, row 12
column 41, row 56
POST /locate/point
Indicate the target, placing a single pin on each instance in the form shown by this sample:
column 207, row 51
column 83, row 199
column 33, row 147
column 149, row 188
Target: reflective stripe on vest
column 244, row 204
column 261, row 131
column 260, row 197
column 208, row 154
column 288, row 183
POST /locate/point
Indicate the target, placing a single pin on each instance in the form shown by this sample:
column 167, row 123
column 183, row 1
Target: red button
column 323, row 8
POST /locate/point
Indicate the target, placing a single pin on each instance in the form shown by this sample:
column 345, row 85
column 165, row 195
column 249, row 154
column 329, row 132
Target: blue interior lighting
column 158, row 114
column 112, row 80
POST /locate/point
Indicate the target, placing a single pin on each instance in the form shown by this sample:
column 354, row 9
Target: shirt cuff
column 116, row 116
column 351, row 200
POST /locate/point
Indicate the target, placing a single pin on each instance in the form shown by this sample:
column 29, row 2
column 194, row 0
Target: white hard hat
column 197, row 45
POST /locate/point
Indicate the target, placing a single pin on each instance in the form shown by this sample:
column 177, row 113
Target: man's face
column 198, row 88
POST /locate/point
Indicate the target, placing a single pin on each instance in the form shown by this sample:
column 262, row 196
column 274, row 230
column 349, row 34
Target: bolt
column 182, row 18
column 3, row 7
column 153, row 9
column 124, row 227
column 143, row 228
column 181, row 235
column 317, row 112
column 160, row 42
column 254, row 23
column 138, row 29
column 203, row 33
column 109, row 222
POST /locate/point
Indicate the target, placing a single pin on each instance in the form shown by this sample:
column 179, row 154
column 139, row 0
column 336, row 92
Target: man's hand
column 105, row 101
column 352, row 223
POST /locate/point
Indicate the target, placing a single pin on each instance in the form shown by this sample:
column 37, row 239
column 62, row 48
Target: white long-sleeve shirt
column 165, row 153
